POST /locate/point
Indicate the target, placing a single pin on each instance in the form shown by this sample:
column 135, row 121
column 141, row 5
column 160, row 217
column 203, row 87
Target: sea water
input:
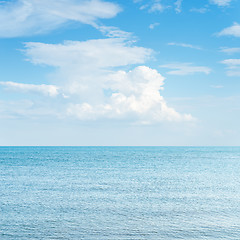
column 116, row 193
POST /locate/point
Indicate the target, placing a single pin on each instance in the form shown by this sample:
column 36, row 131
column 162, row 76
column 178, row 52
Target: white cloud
column 200, row 10
column 234, row 30
column 230, row 50
column 135, row 94
column 233, row 67
column 221, row 3
column 153, row 25
column 14, row 109
column 156, row 7
column 178, row 5
column 100, row 53
column 144, row 6
column 231, row 62
column 114, row 32
column 184, row 45
column 29, row 17
column 185, row 69
column 26, row 108
column 48, row 90
column 88, row 74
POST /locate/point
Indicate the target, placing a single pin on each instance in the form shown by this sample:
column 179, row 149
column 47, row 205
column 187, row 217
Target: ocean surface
column 116, row 193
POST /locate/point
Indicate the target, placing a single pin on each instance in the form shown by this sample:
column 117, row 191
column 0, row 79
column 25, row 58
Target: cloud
column 221, row 3
column 231, row 62
column 114, row 32
column 48, row 90
column 135, row 94
column 153, row 25
column 29, row 17
column 152, row 6
column 234, row 30
column 216, row 86
column 200, row 10
column 100, row 53
column 184, row 45
column 185, row 69
column 156, row 7
column 90, row 74
column 178, row 5
column 230, row 50
column 14, row 109
column 232, row 66
column 26, row 108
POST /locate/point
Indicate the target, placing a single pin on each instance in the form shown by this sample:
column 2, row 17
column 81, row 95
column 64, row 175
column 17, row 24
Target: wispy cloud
column 178, row 5
column 185, row 69
column 26, row 108
column 234, row 30
column 29, row 17
column 153, row 6
column 216, row 86
column 156, row 7
column 231, row 62
column 184, row 45
column 114, row 32
column 153, row 25
column 200, row 10
column 232, row 66
column 221, row 3
column 48, row 90
column 230, row 50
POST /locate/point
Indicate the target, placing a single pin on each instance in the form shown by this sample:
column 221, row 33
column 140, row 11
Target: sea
column 119, row 193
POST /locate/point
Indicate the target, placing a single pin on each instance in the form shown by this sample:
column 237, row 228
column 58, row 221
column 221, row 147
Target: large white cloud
column 135, row 95
column 28, row 17
column 89, row 76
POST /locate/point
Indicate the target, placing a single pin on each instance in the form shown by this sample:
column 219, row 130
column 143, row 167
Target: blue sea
column 119, row 193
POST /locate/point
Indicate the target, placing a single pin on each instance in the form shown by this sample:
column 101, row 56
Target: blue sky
column 136, row 72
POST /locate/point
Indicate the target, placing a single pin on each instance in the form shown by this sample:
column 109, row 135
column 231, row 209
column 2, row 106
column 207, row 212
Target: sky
column 119, row 73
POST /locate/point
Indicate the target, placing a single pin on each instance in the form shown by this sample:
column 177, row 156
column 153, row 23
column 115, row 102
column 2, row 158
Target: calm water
column 98, row 193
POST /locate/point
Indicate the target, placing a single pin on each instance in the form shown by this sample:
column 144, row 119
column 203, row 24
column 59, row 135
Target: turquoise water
column 111, row 193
